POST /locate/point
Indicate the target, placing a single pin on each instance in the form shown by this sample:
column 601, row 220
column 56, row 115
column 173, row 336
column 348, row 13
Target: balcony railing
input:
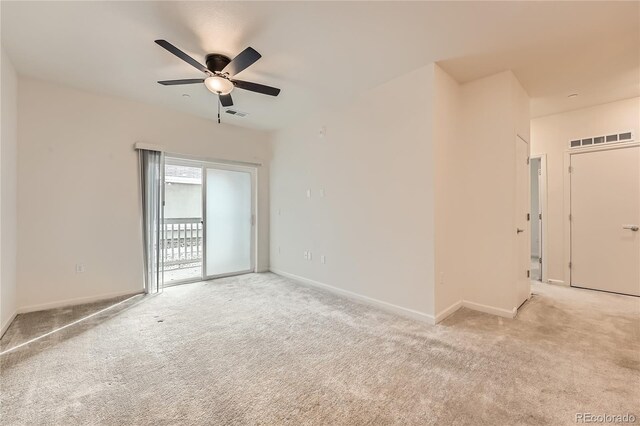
column 182, row 243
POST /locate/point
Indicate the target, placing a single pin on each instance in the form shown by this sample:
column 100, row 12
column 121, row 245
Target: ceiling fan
column 219, row 71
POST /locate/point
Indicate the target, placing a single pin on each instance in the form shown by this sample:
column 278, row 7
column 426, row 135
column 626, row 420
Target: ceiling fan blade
column 255, row 87
column 186, row 81
column 180, row 54
column 226, row 100
column 241, row 62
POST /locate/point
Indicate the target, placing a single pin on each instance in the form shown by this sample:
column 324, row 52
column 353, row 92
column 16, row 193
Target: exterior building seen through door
column 605, row 219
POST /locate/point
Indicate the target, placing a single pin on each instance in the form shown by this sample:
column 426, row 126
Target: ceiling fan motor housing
column 216, row 62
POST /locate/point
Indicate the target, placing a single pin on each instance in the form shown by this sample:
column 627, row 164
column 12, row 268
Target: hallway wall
column 551, row 135
column 8, row 183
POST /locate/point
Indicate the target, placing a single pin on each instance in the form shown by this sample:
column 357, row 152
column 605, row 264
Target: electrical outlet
column 79, row 268
column 322, row 193
column 309, row 257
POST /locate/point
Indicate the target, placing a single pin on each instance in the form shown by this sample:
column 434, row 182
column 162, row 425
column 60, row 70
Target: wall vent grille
column 597, row 140
column 236, row 112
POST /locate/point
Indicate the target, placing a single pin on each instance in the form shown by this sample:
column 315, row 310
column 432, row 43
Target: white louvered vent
column 597, row 140
column 236, row 112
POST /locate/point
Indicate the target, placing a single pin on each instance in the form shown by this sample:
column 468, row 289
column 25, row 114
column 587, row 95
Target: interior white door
column 605, row 214
column 523, row 201
column 228, row 221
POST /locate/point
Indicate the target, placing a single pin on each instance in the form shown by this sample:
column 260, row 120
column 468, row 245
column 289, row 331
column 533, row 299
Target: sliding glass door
column 228, row 206
column 208, row 228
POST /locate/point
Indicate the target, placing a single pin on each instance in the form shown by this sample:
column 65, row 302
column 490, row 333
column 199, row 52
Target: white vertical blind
column 151, row 179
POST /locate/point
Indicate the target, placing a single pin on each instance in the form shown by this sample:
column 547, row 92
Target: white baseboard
column 475, row 307
column 5, row 327
column 448, row 311
column 420, row 316
column 74, row 301
column 506, row 313
column 557, row 282
column 406, row 312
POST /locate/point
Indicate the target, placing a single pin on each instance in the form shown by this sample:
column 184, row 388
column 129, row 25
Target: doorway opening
column 208, row 229
column 536, row 220
column 539, row 248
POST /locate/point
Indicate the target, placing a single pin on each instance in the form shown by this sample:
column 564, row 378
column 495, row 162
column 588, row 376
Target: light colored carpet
column 260, row 349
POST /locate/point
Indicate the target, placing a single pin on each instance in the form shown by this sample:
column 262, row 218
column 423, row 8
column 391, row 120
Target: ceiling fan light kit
column 218, row 85
column 219, row 70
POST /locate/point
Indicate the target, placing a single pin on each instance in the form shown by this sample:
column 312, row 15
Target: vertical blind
column 151, row 179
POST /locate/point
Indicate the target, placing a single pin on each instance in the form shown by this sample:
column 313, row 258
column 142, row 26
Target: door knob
column 634, row 228
column 518, row 230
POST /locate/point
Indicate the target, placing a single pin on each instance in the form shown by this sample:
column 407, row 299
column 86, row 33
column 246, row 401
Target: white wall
column 78, row 192
column 375, row 222
column 8, row 180
column 450, row 195
column 419, row 206
column 551, row 135
column 475, row 190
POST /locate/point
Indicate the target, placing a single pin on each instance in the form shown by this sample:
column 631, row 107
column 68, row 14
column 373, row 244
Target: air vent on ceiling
column 235, row 112
column 597, row 140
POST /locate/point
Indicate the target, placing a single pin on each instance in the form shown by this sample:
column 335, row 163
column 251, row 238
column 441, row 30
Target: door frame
column 542, row 202
column 252, row 168
column 520, row 295
column 254, row 229
column 567, row 194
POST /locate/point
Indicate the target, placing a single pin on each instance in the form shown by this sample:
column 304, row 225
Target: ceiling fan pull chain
column 219, row 108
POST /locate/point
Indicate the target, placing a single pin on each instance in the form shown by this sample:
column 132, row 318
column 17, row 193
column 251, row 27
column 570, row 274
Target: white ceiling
column 324, row 53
